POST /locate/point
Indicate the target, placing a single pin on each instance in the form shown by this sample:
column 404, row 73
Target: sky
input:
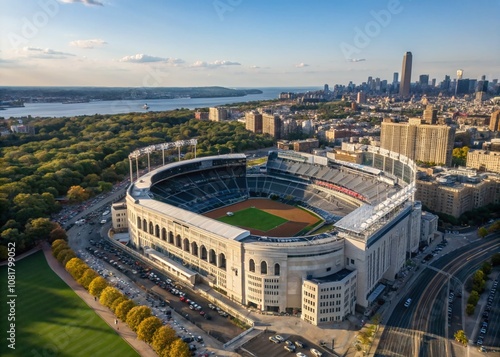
column 242, row 43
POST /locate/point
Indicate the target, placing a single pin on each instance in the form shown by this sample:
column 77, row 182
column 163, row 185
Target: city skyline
column 240, row 44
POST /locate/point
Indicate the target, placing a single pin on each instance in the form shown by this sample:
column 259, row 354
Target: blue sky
column 241, row 43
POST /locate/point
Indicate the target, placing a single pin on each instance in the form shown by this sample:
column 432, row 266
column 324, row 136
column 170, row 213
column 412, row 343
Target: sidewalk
column 125, row 332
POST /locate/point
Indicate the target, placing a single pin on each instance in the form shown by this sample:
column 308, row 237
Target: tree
column 70, row 255
column 461, row 337
column 123, row 308
column 76, row 267
column 482, row 232
column 39, row 229
column 147, row 328
column 77, row 194
column 58, row 233
column 364, row 337
column 57, row 242
column 478, row 282
column 470, row 309
column 486, row 268
column 58, row 248
column 163, row 338
column 87, row 278
column 97, row 286
column 136, row 315
column 117, row 302
column 108, row 295
column 473, row 298
column 495, row 259
column 178, row 348
column 62, row 254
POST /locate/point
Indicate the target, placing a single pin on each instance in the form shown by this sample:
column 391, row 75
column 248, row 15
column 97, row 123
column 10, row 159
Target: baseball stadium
column 283, row 236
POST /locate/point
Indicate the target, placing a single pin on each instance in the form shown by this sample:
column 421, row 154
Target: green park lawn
column 253, row 218
column 51, row 320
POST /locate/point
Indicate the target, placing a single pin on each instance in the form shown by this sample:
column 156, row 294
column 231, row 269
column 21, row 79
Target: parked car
column 274, row 339
column 316, row 352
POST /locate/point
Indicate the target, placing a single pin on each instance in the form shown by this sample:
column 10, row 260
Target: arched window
column 178, row 241
column 194, row 249
column 186, row 245
column 157, row 231
column 212, row 257
column 203, row 253
column 171, row 237
column 276, row 269
column 144, row 225
column 222, row 261
column 139, row 223
column 151, row 228
column 164, row 234
column 251, row 265
column 263, row 268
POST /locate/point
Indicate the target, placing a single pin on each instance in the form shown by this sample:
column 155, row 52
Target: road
column 421, row 329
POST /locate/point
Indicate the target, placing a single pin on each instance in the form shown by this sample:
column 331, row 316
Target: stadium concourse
column 368, row 223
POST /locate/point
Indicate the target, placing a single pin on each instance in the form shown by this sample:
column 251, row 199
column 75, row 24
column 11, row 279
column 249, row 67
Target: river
column 128, row 106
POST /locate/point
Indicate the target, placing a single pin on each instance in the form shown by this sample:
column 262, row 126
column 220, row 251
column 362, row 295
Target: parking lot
column 151, row 288
column 262, row 346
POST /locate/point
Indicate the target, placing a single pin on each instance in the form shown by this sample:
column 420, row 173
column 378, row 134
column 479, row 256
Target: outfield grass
column 51, row 320
column 253, row 218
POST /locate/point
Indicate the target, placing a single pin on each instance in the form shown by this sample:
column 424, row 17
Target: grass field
column 51, row 320
column 253, row 218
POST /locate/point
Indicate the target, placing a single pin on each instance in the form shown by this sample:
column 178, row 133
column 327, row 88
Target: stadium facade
column 371, row 225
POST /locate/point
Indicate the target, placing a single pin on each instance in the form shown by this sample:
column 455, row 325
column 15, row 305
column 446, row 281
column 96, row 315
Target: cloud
column 218, row 63
column 45, row 53
column 142, row 58
column 254, row 67
column 88, row 44
column 356, row 60
column 301, row 65
column 85, row 2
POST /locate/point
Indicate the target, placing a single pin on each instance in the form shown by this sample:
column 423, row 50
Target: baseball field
column 266, row 217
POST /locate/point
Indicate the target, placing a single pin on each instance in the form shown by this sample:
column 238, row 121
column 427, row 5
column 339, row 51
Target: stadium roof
column 145, row 180
column 180, row 216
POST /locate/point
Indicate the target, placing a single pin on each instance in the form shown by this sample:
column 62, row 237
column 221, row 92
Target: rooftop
column 338, row 276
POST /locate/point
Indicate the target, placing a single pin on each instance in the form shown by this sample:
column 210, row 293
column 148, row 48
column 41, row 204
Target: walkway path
column 121, row 328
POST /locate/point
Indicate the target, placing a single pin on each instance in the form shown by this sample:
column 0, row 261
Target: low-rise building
column 484, row 160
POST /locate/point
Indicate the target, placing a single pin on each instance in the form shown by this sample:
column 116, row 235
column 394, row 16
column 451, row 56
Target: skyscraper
column 460, row 73
column 404, row 87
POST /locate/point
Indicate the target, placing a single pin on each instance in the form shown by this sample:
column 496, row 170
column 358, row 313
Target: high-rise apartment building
column 217, row 114
column 271, row 124
column 495, row 121
column 253, row 121
column 417, row 141
column 430, row 115
column 404, row 87
column 361, row 99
